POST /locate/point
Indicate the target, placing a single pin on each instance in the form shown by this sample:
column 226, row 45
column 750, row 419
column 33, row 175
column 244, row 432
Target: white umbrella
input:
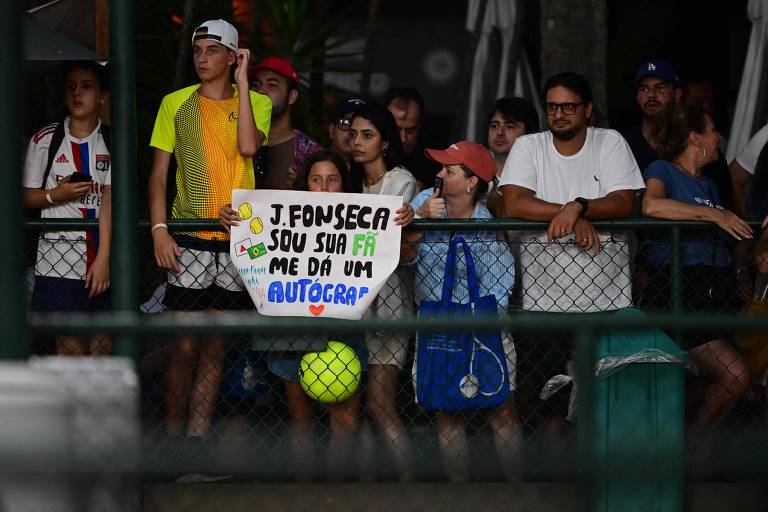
column 501, row 15
column 744, row 118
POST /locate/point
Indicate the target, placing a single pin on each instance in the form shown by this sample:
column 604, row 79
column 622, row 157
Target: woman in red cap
column 467, row 171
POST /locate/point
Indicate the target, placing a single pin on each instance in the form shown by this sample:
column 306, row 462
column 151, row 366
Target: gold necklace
column 378, row 179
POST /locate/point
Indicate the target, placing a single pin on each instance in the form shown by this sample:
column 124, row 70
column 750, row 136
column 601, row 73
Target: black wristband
column 584, row 205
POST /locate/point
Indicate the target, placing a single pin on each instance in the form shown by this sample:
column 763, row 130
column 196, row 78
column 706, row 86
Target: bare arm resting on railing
column 740, row 178
column 166, row 250
column 657, row 204
column 565, row 219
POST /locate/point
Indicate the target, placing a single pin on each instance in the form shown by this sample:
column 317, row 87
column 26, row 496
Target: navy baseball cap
column 659, row 68
column 345, row 106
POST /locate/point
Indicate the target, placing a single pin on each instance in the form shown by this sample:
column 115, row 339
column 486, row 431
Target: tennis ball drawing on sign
column 245, row 211
column 257, row 225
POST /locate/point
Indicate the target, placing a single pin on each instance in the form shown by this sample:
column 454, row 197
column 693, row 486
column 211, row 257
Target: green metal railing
column 130, row 321
column 128, row 324
column 124, row 255
column 12, row 307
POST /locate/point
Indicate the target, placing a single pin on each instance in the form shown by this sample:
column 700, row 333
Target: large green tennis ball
column 331, row 376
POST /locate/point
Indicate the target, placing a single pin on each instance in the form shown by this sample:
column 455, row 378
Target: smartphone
column 78, row 177
column 441, row 185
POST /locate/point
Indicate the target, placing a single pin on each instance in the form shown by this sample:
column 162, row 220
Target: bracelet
column 159, row 225
column 49, row 198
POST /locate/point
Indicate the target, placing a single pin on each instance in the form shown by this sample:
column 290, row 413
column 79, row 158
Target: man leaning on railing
column 568, row 176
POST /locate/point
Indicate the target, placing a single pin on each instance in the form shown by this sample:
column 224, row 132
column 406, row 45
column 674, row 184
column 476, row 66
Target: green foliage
column 309, row 34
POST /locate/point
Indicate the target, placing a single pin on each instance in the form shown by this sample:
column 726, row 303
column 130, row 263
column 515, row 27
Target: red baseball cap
column 471, row 154
column 280, row 66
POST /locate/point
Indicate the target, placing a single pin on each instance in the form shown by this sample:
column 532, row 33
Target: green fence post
column 125, row 296
column 584, row 358
column 12, row 303
column 676, row 271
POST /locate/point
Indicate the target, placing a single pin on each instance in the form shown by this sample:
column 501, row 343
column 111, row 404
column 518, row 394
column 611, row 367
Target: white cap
column 217, row 30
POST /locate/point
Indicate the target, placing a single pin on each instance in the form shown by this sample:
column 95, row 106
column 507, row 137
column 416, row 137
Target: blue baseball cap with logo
column 659, row 68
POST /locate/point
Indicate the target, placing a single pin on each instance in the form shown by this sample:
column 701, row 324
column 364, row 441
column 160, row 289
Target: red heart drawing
column 316, row 310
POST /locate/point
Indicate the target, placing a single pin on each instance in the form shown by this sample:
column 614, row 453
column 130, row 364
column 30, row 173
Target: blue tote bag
column 460, row 370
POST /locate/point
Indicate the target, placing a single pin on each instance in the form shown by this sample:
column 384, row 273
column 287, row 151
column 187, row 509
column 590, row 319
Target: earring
column 469, row 190
column 704, row 157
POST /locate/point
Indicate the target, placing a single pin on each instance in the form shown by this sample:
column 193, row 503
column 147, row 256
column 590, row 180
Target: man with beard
column 275, row 77
column 569, row 176
column 658, row 90
column 407, row 107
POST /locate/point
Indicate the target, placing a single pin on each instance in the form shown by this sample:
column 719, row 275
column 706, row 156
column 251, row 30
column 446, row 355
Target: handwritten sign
column 316, row 254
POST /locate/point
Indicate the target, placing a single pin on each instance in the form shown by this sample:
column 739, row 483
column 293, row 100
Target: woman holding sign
column 376, row 154
column 323, row 171
column 467, row 171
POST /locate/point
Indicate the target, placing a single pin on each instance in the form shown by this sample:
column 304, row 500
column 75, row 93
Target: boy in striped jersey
column 72, row 268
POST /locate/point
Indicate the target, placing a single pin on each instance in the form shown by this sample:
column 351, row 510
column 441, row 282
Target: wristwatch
column 584, row 205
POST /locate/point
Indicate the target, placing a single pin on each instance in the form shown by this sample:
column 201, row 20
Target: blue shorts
column 286, row 364
column 66, row 295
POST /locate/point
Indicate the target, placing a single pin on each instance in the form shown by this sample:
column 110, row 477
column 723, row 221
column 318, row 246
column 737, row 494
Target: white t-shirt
column 67, row 253
column 748, row 157
column 562, row 277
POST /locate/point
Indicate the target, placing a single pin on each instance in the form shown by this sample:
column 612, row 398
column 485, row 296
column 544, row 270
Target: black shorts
column 213, row 297
column 541, row 356
column 705, row 289
column 67, row 295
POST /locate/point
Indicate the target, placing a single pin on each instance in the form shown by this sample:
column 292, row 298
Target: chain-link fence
column 230, row 405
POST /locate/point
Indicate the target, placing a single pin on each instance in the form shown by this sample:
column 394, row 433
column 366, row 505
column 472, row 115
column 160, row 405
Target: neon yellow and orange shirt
column 202, row 133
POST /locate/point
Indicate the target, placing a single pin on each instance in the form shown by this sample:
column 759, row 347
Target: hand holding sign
column 228, row 217
column 404, row 215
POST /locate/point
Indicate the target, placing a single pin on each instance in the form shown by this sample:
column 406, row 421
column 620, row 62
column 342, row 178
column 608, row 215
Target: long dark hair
column 384, row 122
column 669, row 134
column 324, row 155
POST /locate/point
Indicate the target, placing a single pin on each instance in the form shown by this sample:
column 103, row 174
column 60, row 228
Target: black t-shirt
column 280, row 158
column 422, row 168
column 644, row 153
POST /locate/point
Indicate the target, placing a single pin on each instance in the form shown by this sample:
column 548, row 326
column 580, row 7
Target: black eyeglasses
column 567, row 108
